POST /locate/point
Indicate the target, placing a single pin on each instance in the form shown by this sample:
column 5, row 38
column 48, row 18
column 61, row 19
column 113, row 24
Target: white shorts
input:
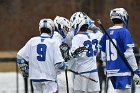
column 83, row 84
column 45, row 87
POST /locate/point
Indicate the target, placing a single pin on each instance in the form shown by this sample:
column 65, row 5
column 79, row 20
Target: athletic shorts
column 45, row 87
column 121, row 82
column 83, row 84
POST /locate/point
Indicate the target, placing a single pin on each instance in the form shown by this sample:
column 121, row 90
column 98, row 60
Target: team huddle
column 73, row 45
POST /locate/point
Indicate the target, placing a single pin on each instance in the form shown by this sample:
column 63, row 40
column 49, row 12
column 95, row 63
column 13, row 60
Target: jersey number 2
column 41, row 50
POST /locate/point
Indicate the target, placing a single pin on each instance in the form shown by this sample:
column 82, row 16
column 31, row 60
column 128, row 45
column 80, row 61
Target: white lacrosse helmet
column 78, row 23
column 63, row 25
column 119, row 13
column 78, row 15
column 46, row 23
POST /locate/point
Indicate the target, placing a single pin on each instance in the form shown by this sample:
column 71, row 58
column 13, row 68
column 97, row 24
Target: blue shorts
column 121, row 82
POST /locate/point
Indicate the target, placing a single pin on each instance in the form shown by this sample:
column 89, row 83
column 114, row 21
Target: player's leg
column 80, row 84
column 37, row 86
column 50, row 87
column 93, row 87
column 123, row 90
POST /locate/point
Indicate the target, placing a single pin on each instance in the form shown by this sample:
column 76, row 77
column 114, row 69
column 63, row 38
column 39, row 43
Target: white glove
column 136, row 79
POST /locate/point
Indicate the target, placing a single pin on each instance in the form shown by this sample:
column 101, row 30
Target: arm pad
column 130, row 57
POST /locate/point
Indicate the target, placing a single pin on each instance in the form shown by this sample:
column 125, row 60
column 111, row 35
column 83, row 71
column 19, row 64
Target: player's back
column 122, row 39
column 42, row 58
column 86, row 61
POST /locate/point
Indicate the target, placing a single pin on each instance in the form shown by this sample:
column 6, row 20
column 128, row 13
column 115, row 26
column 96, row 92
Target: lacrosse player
column 42, row 57
column 92, row 28
column 85, row 63
column 62, row 27
column 117, row 70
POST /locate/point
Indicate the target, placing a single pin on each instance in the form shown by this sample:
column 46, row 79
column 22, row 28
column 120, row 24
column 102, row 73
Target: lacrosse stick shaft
column 67, row 83
column 82, row 75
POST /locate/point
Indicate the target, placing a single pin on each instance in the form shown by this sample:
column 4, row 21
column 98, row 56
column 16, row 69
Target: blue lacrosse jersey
column 123, row 40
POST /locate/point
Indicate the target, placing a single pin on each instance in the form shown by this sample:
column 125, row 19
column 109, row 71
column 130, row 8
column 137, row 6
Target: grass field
column 7, row 66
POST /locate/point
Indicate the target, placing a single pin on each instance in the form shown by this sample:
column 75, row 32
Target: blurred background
column 19, row 21
column 19, row 18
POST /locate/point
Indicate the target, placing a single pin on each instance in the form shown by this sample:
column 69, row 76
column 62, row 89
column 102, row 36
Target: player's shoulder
column 123, row 31
column 34, row 38
column 56, row 35
column 119, row 29
column 78, row 36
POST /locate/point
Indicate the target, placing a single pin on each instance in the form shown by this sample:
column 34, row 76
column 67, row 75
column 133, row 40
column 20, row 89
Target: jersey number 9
column 41, row 50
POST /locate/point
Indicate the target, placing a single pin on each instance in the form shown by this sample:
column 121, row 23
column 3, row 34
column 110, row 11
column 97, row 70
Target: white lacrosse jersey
column 42, row 53
column 86, row 61
column 58, row 37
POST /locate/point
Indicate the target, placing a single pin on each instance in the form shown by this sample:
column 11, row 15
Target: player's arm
column 130, row 57
column 92, row 26
column 129, row 54
column 59, row 61
column 22, row 59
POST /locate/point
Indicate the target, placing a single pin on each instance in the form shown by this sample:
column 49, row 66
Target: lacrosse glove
column 137, row 71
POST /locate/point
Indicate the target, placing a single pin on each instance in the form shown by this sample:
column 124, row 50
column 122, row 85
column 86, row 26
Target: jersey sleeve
column 127, row 39
column 25, row 51
column 57, row 54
